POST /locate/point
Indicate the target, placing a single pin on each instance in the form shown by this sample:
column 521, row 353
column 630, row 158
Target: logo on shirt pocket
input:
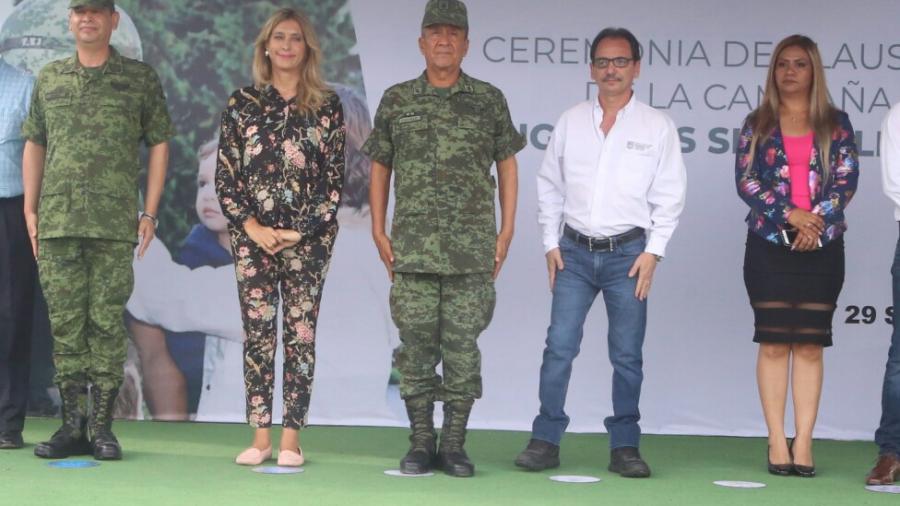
column 641, row 148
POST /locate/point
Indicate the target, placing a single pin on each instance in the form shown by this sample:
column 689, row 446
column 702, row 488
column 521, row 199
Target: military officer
column 88, row 116
column 438, row 135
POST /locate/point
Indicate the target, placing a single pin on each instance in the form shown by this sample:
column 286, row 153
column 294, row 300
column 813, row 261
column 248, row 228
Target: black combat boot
column 422, row 448
column 451, row 455
column 103, row 442
column 71, row 438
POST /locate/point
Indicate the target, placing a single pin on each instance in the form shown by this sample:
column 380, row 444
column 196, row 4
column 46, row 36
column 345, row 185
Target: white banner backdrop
column 703, row 64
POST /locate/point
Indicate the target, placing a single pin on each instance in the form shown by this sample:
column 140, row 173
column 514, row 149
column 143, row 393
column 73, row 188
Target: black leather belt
column 602, row 243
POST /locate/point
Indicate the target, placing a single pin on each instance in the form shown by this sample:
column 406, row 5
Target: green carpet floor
column 191, row 464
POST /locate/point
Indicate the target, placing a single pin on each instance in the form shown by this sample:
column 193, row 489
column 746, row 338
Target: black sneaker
column 627, row 462
column 538, row 455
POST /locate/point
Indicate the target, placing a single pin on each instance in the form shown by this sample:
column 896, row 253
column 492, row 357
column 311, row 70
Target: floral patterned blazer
column 766, row 187
column 279, row 165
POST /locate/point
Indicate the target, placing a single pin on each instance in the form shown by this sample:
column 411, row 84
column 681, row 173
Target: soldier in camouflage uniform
column 439, row 134
column 34, row 34
column 88, row 115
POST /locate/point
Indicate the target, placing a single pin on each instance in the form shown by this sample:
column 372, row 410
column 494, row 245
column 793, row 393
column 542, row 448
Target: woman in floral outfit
column 279, row 178
column 796, row 168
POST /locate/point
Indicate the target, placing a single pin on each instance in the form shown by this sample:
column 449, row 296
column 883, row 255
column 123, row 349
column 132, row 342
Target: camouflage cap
column 97, row 4
column 446, row 12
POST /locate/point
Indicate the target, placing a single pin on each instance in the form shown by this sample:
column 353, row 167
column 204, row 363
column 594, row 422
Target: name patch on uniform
column 409, row 119
column 56, row 94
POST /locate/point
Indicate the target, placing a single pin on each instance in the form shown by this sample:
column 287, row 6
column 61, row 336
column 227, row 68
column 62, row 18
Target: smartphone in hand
column 789, row 235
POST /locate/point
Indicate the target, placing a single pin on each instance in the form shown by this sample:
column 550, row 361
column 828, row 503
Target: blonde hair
column 822, row 113
column 311, row 88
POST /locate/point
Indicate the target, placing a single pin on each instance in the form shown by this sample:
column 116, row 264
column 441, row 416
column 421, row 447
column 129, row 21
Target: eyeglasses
column 618, row 62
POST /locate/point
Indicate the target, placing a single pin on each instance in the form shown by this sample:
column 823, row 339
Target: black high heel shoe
column 778, row 469
column 801, row 470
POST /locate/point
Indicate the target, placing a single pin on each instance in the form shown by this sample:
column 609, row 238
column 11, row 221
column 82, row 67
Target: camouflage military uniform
column 440, row 145
column 91, row 122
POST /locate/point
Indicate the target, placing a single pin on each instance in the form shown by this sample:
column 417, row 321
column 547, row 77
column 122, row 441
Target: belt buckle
column 590, row 241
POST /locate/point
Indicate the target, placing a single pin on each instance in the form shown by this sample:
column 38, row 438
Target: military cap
column 446, row 12
column 97, row 4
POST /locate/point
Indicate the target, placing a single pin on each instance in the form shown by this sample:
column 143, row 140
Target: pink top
column 798, row 150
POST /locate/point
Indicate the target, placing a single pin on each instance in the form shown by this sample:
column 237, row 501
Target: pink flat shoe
column 290, row 458
column 253, row 456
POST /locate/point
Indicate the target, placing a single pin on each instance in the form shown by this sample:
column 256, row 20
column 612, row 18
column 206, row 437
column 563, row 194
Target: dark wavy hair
column 618, row 33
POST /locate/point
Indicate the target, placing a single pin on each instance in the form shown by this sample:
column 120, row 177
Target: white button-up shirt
column 604, row 185
column 890, row 157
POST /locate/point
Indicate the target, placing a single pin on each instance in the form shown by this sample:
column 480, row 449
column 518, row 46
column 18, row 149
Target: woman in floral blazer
column 797, row 168
column 279, row 178
column 766, row 188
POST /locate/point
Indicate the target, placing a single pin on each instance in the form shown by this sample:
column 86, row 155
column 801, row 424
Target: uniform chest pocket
column 469, row 141
column 638, row 167
column 475, row 130
column 56, row 100
column 112, row 103
column 120, row 104
column 410, row 135
column 58, row 110
column 119, row 114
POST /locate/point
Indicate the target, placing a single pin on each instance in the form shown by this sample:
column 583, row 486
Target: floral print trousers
column 295, row 275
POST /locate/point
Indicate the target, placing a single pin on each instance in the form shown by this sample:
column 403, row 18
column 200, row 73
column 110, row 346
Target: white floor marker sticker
column 569, row 478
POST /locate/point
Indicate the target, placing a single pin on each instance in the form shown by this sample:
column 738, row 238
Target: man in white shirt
column 610, row 191
column 887, row 469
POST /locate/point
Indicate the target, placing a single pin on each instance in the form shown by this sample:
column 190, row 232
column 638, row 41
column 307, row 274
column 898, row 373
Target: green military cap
column 97, row 4
column 446, row 12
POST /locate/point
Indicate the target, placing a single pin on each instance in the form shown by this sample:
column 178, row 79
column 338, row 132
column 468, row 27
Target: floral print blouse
column 766, row 187
column 279, row 165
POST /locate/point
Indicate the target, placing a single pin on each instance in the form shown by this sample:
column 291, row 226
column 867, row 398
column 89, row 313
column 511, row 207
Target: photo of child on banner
column 201, row 49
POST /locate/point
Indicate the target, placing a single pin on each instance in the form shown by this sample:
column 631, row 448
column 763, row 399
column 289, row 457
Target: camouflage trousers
column 297, row 275
column 440, row 318
column 86, row 283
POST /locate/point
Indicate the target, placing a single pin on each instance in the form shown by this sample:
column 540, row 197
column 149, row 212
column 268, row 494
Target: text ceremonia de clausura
column 856, row 96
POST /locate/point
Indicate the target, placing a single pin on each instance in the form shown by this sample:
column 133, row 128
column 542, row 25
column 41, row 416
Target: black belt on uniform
column 602, row 243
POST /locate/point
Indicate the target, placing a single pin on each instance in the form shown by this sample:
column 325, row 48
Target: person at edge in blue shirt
column 18, row 269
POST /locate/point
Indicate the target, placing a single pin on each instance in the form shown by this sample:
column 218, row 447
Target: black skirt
column 793, row 294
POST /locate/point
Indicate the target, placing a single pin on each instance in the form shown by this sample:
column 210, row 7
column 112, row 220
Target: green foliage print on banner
column 202, row 51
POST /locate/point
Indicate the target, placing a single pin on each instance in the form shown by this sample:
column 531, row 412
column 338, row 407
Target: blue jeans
column 586, row 274
column 888, row 434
